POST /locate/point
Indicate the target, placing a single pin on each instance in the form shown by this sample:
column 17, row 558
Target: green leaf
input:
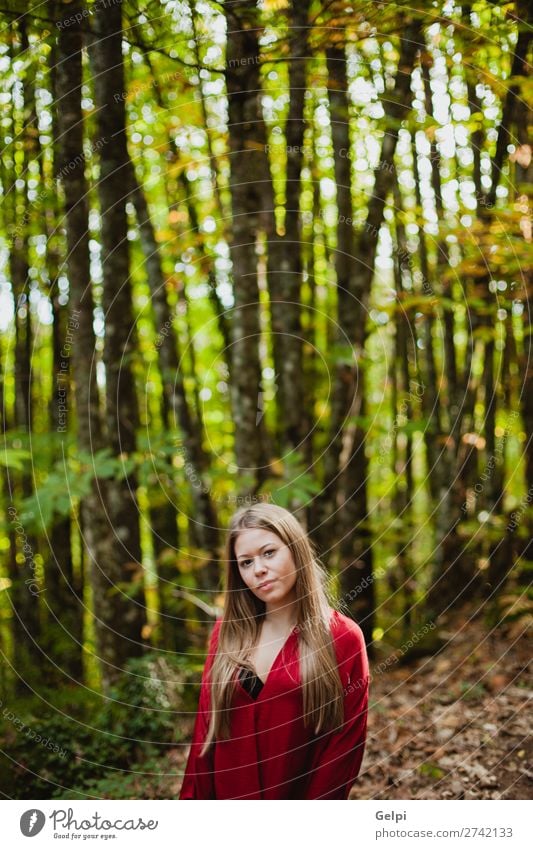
column 14, row 458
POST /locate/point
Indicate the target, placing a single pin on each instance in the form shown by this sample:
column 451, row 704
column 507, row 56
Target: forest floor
column 454, row 725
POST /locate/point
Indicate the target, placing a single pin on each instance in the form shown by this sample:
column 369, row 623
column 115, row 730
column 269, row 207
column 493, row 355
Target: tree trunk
column 285, row 253
column 346, row 464
column 121, row 400
column 117, row 620
column 354, row 289
column 25, row 591
column 64, row 582
column 175, row 405
column 249, row 174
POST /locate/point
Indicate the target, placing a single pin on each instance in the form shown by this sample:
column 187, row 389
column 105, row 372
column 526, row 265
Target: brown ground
column 455, row 725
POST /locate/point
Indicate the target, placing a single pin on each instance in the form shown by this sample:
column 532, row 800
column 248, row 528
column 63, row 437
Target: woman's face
column 266, row 566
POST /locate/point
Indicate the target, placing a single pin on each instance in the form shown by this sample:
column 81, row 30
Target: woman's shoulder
column 350, row 648
column 347, row 634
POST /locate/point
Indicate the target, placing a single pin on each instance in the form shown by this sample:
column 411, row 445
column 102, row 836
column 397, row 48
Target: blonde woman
column 283, row 702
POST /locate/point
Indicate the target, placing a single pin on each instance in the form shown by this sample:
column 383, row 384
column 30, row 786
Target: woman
column 283, row 703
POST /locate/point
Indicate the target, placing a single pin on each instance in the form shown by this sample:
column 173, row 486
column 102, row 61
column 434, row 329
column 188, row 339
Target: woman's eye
column 270, row 551
column 245, row 562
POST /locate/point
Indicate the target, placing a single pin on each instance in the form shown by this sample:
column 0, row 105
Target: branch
column 211, row 610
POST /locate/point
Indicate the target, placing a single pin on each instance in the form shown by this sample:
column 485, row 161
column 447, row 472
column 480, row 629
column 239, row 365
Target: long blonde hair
column 244, row 614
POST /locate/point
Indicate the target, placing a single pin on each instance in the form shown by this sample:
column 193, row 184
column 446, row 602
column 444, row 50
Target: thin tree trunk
column 176, row 410
column 213, row 162
column 442, row 270
column 354, row 290
column 24, row 592
column 426, row 371
column 249, row 175
column 117, row 619
column 63, row 582
column 285, row 252
column 121, row 400
column 220, row 312
column 346, row 464
column 524, row 180
column 401, row 503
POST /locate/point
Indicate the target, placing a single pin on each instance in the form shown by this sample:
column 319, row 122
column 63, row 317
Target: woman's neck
column 281, row 618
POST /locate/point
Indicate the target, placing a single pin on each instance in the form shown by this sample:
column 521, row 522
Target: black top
column 251, row 683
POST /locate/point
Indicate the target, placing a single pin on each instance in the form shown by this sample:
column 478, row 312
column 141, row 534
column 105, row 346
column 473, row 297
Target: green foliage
column 93, row 743
column 151, row 778
column 12, row 458
column 294, row 484
column 60, row 490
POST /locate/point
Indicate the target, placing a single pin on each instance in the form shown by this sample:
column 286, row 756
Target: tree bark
column 119, row 341
column 176, row 410
column 25, row 592
column 285, row 252
column 64, row 582
column 346, row 464
column 249, row 174
column 117, row 620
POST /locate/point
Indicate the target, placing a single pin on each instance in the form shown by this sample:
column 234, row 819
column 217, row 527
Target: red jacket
column 271, row 755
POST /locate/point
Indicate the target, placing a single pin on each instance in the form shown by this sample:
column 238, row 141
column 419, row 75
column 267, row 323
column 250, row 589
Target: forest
column 264, row 251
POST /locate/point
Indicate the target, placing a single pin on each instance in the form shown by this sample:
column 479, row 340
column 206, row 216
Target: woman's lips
column 266, row 585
